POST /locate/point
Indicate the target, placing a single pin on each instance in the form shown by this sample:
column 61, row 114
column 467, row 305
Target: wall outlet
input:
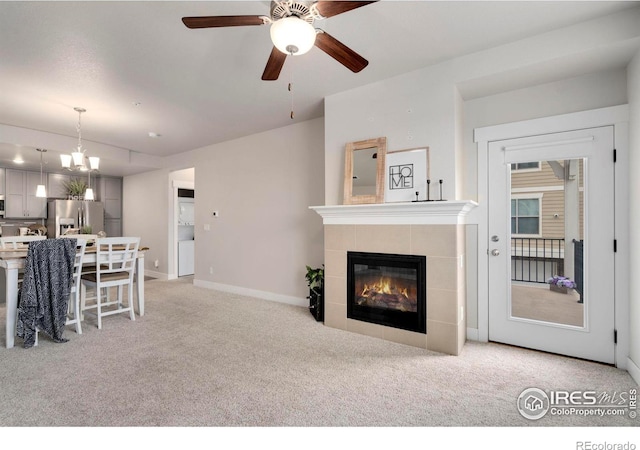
column 211, row 270
column 207, row 227
column 156, row 263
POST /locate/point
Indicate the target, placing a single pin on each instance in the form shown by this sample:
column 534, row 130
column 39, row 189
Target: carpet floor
column 211, row 359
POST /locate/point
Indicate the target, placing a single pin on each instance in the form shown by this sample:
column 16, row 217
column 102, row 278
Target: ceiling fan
column 292, row 31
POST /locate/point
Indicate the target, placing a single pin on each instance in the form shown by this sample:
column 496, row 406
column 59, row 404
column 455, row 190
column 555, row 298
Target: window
column 525, row 215
column 526, row 166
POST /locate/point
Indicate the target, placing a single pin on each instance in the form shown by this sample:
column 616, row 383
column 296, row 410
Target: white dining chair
column 74, row 316
column 86, row 269
column 115, row 267
column 18, row 242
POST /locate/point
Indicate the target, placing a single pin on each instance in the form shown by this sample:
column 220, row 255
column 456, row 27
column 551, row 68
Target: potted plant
column 315, row 281
column 75, row 188
column 561, row 284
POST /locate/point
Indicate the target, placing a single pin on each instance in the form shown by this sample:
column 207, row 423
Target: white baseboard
column 264, row 295
column 158, row 275
column 472, row 334
column 633, row 370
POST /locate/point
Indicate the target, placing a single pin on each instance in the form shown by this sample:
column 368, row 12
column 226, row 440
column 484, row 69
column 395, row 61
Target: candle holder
column 441, row 199
column 428, row 191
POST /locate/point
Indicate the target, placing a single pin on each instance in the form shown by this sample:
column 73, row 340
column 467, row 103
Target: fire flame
column 383, row 286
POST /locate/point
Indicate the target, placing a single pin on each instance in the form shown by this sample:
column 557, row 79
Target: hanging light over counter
column 41, row 190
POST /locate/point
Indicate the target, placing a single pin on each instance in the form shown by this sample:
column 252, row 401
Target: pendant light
column 41, row 190
column 88, row 193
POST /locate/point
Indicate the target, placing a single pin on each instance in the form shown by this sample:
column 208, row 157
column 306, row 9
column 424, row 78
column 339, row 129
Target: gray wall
column 145, row 213
column 262, row 185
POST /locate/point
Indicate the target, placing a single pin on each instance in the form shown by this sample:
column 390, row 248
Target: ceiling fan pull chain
column 291, row 100
column 290, row 87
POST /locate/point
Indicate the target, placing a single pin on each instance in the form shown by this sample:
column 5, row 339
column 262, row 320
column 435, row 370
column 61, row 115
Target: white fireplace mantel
column 411, row 213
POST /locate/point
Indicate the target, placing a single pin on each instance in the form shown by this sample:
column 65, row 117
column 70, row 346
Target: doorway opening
column 186, row 232
column 182, row 228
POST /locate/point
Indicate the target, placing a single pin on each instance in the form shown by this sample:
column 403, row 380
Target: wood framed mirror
column 364, row 165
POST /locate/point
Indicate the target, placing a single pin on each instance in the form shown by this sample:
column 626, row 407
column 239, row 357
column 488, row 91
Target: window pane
column 528, row 207
column 513, row 208
column 528, row 225
column 526, row 165
column 513, row 226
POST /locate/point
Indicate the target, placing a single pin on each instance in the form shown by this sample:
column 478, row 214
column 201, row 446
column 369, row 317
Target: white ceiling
column 199, row 87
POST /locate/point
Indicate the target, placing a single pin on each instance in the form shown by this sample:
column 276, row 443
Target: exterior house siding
column 544, row 182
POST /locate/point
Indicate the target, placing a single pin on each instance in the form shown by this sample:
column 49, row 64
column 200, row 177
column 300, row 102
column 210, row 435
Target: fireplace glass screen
column 387, row 289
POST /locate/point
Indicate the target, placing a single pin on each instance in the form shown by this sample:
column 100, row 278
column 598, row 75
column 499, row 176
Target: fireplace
column 387, row 289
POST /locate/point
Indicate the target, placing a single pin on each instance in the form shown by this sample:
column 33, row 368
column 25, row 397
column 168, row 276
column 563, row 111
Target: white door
column 551, row 214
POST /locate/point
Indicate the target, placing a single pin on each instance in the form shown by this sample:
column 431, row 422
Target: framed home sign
column 406, row 174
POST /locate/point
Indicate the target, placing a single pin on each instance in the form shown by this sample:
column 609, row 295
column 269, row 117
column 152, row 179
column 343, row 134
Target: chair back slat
column 116, row 254
column 15, row 242
column 77, row 266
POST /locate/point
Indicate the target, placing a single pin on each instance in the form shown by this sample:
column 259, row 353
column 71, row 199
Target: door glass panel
column 547, row 243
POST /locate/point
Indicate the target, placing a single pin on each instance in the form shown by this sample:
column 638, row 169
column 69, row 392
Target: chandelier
column 76, row 160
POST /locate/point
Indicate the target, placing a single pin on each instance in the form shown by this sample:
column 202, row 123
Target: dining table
column 13, row 260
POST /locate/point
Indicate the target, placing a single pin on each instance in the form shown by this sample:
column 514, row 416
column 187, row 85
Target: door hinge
column 615, row 155
column 615, row 336
column 615, row 245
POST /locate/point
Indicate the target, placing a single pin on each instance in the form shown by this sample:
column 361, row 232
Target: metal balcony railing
column 535, row 260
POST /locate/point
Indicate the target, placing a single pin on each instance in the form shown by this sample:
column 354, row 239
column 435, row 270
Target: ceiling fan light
column 292, row 35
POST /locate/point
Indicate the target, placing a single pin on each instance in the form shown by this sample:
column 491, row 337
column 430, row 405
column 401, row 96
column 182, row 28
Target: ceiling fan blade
column 340, row 52
column 330, row 8
column 221, row 21
column 274, row 65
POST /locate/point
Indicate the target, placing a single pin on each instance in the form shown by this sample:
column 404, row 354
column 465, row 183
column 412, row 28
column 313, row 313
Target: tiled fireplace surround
column 435, row 230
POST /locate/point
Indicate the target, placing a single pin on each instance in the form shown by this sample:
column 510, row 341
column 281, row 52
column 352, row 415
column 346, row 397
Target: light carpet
column 206, row 358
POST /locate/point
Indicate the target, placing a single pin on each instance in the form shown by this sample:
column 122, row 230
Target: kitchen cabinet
column 113, row 227
column 56, row 185
column 2, row 176
column 109, row 192
column 20, row 198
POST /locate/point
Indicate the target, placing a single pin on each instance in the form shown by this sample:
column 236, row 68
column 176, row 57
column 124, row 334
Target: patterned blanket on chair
column 44, row 296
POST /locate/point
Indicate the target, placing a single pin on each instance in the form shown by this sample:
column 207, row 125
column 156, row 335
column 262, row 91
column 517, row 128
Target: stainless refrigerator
column 65, row 215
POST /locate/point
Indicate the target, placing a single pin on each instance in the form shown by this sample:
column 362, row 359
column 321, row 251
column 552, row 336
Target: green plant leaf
column 75, row 186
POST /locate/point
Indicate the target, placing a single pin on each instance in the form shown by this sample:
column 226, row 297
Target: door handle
column 495, row 252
